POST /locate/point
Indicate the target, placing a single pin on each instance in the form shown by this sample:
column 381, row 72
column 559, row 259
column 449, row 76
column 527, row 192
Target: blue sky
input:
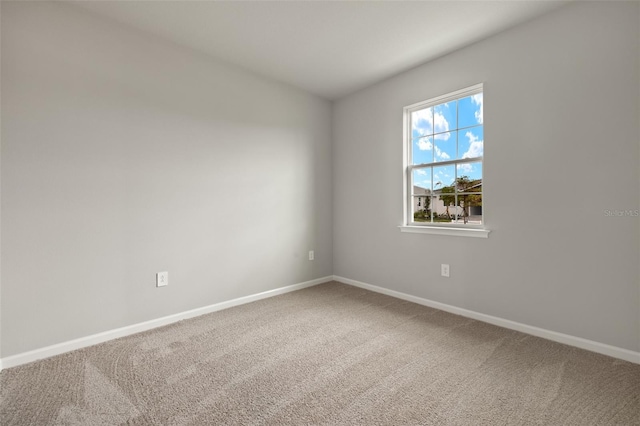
column 449, row 131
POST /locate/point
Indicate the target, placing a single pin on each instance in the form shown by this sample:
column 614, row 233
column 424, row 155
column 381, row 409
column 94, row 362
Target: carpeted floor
column 327, row 355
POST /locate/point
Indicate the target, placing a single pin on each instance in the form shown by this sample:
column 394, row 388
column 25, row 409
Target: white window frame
column 466, row 230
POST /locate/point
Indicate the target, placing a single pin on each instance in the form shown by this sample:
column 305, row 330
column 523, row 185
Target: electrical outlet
column 311, row 255
column 162, row 279
column 444, row 270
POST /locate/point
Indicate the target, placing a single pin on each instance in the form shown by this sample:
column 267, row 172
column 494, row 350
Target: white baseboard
column 590, row 345
column 83, row 342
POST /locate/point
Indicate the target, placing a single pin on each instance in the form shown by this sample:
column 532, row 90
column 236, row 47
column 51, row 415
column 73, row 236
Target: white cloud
column 465, row 167
column 476, row 146
column 425, row 121
column 421, row 172
column 478, row 100
column 424, row 144
column 441, row 154
column 422, row 121
column 441, row 125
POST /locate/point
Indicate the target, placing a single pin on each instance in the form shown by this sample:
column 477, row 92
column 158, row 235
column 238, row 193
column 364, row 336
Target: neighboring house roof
column 472, row 187
column 417, row 190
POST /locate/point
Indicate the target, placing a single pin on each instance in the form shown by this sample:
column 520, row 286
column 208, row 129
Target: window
column 444, row 146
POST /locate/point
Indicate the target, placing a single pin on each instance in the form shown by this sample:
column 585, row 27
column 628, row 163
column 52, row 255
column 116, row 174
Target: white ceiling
column 329, row 48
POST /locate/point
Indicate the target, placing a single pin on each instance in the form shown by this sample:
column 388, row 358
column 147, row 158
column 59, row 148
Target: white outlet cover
column 444, row 270
column 162, row 279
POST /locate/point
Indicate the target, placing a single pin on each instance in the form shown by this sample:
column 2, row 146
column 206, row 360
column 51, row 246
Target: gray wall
column 561, row 147
column 124, row 155
column 0, row 193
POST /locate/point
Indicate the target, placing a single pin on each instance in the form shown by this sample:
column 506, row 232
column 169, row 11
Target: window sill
column 438, row 230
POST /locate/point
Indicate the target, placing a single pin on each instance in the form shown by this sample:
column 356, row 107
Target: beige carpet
column 327, row 355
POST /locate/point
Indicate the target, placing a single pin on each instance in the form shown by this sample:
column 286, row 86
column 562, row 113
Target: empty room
column 320, row 213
